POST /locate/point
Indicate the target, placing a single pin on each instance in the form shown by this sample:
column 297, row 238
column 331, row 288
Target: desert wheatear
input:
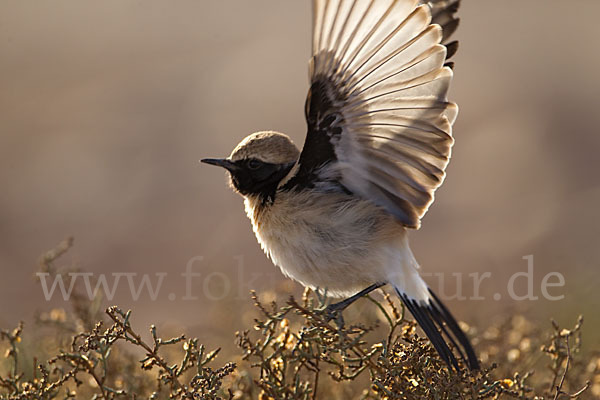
column 336, row 215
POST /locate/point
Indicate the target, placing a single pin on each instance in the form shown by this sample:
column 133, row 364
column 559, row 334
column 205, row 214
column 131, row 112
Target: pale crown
column 270, row 147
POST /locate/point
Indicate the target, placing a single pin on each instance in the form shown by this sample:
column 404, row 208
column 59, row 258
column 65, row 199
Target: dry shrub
column 293, row 352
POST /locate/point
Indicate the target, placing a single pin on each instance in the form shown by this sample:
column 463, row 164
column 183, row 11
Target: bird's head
column 259, row 163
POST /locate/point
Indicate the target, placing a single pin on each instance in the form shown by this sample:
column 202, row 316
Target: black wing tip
column 453, row 8
column 449, row 28
column 451, row 49
column 435, row 317
column 444, row 14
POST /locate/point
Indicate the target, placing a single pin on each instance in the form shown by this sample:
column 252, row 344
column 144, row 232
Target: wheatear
column 336, row 215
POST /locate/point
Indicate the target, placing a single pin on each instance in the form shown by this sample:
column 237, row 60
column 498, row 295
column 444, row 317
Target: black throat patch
column 253, row 177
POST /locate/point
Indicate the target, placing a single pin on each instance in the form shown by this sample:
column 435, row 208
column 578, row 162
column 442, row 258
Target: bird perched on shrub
column 337, row 214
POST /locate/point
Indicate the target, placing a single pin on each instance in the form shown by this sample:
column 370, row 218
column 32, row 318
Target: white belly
column 331, row 241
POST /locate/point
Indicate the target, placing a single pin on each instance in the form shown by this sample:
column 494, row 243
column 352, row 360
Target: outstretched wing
column 379, row 121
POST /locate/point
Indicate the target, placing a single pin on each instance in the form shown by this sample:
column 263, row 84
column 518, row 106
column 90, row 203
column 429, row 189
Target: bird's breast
column 331, row 240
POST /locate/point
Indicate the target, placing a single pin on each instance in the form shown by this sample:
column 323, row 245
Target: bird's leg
column 333, row 311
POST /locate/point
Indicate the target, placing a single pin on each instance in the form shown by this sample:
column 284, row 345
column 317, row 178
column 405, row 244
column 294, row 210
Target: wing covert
column 379, row 121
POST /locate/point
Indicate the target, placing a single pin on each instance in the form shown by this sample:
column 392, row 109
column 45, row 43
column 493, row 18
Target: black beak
column 221, row 162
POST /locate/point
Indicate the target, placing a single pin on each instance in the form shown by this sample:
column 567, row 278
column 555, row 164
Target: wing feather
column 379, row 120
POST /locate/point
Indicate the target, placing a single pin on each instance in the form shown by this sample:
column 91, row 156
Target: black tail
column 433, row 317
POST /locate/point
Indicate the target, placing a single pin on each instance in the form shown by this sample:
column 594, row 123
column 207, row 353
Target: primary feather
column 379, row 121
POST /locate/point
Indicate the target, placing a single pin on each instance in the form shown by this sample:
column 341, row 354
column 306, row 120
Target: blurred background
column 106, row 108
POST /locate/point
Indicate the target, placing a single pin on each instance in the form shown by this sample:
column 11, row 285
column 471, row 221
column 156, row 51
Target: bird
column 336, row 215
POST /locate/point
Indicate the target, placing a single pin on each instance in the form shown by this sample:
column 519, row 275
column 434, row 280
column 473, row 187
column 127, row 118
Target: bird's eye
column 254, row 164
